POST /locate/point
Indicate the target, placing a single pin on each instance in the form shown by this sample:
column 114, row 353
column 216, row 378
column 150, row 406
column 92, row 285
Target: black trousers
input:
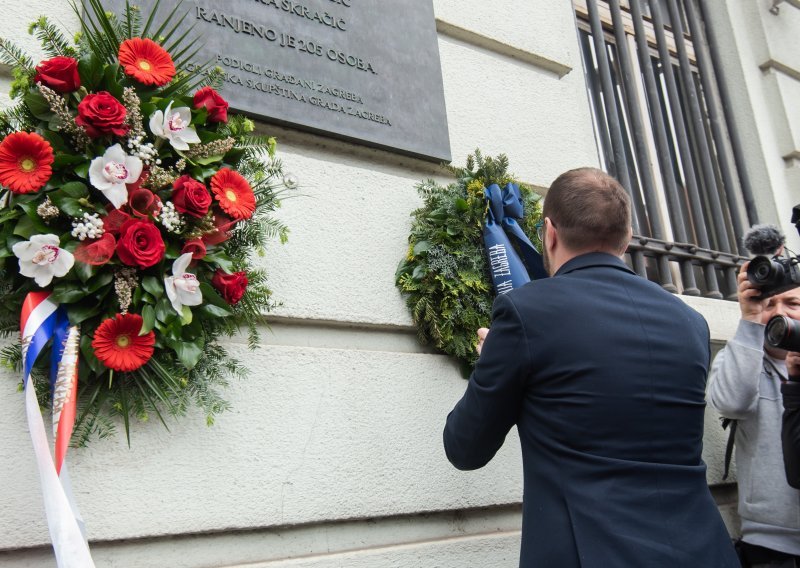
column 754, row 556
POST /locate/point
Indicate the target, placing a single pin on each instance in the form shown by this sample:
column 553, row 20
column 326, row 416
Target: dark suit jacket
column 604, row 374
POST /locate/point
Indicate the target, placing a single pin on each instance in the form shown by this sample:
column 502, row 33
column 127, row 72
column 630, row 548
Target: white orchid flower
column 183, row 288
column 174, row 125
column 110, row 172
column 41, row 259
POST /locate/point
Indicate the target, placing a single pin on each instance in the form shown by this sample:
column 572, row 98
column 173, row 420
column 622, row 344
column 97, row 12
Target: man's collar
column 593, row 259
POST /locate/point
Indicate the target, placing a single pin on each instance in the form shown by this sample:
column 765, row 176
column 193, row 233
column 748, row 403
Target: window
column 661, row 130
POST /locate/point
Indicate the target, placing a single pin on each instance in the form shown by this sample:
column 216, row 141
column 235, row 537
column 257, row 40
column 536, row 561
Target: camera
column 783, row 333
column 774, row 276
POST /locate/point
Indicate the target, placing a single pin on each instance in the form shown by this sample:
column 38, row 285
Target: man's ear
column 625, row 246
column 551, row 237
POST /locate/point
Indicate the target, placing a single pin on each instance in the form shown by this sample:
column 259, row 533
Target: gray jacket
column 744, row 385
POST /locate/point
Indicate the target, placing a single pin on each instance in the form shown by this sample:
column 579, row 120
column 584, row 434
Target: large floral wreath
column 131, row 194
column 445, row 276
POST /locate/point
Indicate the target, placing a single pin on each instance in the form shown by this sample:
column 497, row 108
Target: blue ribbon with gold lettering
column 508, row 268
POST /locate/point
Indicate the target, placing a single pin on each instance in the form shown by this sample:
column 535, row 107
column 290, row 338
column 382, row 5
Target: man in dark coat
column 790, row 433
column 604, row 375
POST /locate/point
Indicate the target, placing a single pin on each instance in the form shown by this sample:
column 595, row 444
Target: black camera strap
column 729, row 422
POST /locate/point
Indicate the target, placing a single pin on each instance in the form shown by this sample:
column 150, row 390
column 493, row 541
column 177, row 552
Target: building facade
column 332, row 455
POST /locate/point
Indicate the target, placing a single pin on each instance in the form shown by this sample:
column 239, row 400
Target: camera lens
column 764, row 271
column 776, row 330
column 783, row 333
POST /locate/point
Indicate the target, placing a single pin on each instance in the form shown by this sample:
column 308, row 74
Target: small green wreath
column 445, row 277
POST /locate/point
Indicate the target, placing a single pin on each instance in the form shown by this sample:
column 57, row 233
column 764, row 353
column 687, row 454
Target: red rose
column 191, row 197
column 96, row 252
column 101, row 114
column 222, row 228
column 195, row 246
column 231, row 286
column 144, row 203
column 140, row 244
column 216, row 106
column 59, row 73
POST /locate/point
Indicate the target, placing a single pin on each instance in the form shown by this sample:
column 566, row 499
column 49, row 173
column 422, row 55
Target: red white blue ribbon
column 42, row 320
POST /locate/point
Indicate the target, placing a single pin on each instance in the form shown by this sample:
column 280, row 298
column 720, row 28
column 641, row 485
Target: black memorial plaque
column 361, row 70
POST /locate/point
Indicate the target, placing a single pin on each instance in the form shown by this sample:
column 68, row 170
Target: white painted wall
column 332, row 455
column 761, row 56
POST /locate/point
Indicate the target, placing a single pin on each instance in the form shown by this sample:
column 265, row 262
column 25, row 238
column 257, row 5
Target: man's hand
column 793, row 365
column 482, row 333
column 747, row 292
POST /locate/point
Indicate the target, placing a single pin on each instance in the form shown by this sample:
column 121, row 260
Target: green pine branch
column 53, row 41
column 13, row 56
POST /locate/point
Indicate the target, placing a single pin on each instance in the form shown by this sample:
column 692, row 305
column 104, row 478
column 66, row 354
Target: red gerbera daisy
column 233, row 193
column 119, row 346
column 25, row 159
column 146, row 61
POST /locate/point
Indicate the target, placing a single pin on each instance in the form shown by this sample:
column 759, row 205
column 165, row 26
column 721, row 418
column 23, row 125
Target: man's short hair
column 590, row 210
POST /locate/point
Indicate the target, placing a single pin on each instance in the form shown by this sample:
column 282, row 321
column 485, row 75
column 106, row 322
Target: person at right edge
column 791, row 420
column 745, row 385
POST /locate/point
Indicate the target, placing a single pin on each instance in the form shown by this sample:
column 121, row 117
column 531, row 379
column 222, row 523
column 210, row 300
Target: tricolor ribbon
column 40, row 321
column 510, row 267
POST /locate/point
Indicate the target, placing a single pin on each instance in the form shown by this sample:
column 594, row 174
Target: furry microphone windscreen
column 763, row 239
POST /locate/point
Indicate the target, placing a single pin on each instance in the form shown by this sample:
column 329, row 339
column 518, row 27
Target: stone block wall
column 332, row 454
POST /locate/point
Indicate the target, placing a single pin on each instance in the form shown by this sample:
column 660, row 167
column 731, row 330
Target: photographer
column 791, row 420
column 745, row 385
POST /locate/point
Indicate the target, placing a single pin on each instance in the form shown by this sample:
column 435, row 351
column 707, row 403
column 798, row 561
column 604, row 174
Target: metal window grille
column 658, row 106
